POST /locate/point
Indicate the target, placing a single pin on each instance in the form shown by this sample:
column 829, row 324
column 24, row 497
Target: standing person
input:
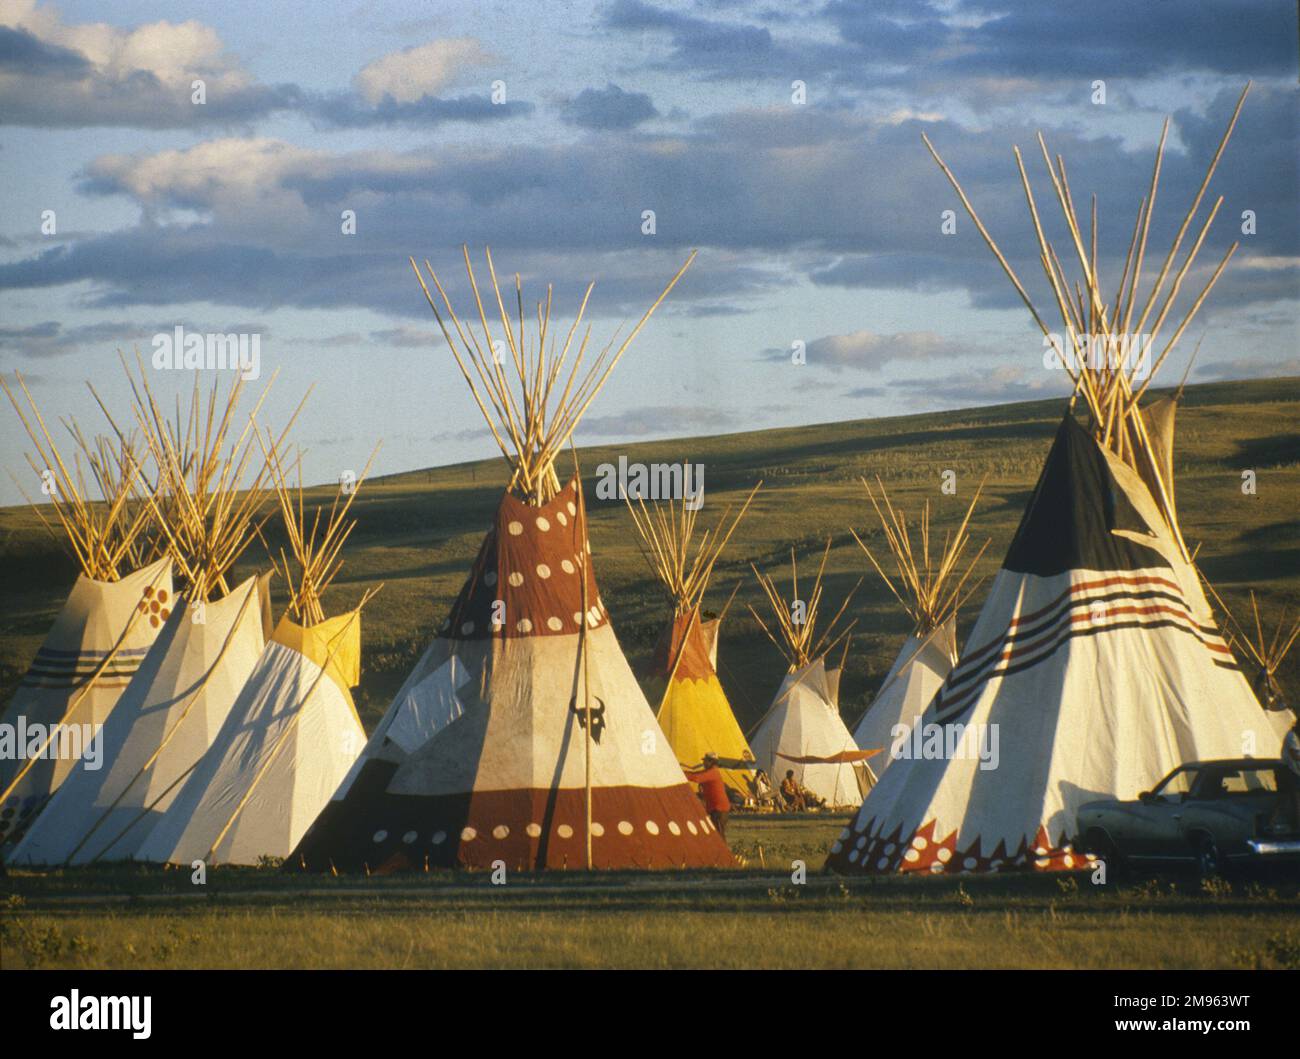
column 1291, row 759
column 713, row 792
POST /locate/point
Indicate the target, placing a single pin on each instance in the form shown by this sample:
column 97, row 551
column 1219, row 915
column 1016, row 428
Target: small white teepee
column 802, row 732
column 931, row 595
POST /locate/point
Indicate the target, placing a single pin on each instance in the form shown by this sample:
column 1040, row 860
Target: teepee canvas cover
column 522, row 722
column 804, row 722
column 161, row 727
column 90, row 655
column 286, row 744
column 482, row 758
column 293, row 733
column 1096, row 659
column 693, row 709
column 802, row 731
column 931, row 593
column 917, row 673
column 694, row 712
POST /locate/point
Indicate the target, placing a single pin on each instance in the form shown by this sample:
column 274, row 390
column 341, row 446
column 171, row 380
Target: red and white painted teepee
column 1094, row 667
column 522, row 736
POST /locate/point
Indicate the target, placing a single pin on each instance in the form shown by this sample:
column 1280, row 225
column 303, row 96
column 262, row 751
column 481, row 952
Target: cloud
column 407, row 337
column 50, row 338
column 868, row 351
column 608, row 108
column 860, row 46
column 1247, row 368
column 671, row 420
column 995, row 385
column 772, row 195
column 346, row 110
column 415, row 73
column 54, row 74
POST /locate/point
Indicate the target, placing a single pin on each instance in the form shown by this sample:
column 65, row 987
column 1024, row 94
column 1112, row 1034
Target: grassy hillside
column 419, row 531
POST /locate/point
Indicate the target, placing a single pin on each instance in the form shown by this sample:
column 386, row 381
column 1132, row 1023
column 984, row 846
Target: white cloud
column 95, row 73
column 869, row 349
column 424, row 70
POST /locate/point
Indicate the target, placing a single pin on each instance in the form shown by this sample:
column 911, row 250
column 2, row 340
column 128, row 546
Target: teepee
column 693, row 710
column 206, row 500
column 293, row 732
column 1094, row 667
column 521, row 737
column 1266, row 653
column 104, row 627
column 931, row 594
column 802, row 732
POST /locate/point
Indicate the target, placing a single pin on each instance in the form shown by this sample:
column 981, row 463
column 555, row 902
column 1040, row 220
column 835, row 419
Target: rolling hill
column 418, row 531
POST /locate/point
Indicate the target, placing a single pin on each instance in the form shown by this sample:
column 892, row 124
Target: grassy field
column 756, row 917
column 418, row 532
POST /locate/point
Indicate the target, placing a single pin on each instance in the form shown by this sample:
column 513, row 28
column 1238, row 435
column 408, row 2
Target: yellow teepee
column 693, row 709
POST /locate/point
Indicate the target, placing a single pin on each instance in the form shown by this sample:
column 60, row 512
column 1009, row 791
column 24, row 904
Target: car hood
column 1108, row 804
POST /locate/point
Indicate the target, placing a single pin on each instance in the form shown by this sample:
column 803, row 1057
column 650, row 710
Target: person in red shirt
column 713, row 792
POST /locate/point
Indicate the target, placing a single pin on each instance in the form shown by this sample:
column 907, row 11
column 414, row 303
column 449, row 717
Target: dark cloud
column 24, row 54
column 349, row 110
column 1122, row 39
column 850, row 201
column 608, row 108
column 875, row 44
column 49, row 338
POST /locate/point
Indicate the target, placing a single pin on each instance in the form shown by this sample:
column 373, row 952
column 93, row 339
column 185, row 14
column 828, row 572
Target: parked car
column 1210, row 815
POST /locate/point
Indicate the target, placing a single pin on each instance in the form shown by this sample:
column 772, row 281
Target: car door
column 1152, row 825
column 1226, row 806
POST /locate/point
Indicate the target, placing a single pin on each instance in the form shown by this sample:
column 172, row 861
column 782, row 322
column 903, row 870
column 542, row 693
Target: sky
column 781, row 141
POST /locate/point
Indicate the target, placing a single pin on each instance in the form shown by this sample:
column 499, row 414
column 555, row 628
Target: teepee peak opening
column 106, row 535
column 798, row 636
column 314, row 558
column 931, row 583
column 665, row 533
column 1110, row 350
column 210, row 492
column 531, row 386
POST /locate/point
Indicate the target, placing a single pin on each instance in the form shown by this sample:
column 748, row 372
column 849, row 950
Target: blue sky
column 816, row 222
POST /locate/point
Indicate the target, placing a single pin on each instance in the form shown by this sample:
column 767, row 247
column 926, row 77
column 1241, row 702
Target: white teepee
column 1094, row 667
column 931, row 594
column 293, row 732
column 802, row 732
column 104, row 628
column 204, row 506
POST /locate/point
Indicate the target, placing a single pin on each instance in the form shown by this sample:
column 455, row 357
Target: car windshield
column 1177, row 783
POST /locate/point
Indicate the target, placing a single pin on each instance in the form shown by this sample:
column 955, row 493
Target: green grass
column 115, row 917
column 418, row 532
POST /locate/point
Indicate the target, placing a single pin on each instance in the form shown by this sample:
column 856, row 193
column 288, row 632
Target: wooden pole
column 584, row 552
